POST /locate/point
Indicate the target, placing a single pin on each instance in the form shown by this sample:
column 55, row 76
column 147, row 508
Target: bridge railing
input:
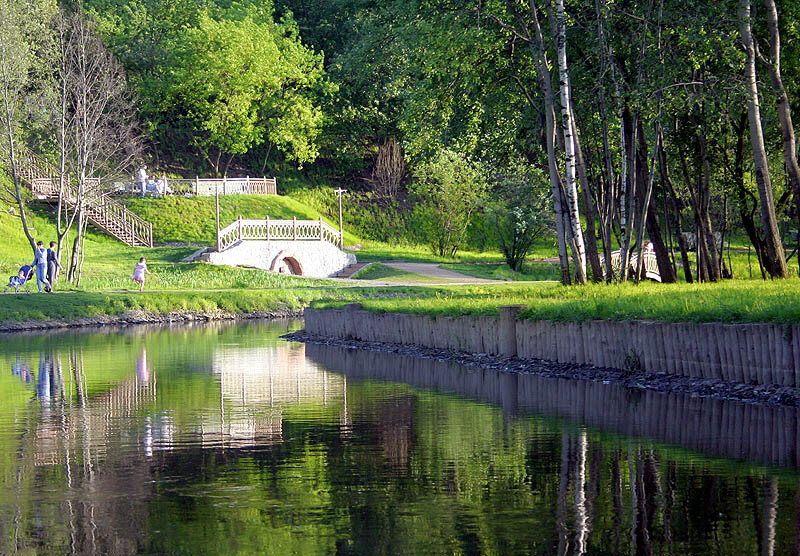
column 271, row 229
column 649, row 266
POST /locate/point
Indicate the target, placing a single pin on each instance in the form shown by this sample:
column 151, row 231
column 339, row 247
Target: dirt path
column 432, row 270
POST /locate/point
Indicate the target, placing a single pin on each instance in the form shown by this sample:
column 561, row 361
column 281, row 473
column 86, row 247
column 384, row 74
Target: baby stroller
column 20, row 280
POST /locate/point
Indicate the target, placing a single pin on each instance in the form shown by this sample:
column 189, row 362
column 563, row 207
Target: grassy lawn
column 732, row 301
column 530, row 272
column 378, row 251
column 378, row 271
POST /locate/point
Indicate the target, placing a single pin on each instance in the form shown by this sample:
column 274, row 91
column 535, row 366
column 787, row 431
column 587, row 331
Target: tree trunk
column 627, row 191
column 569, row 147
column 588, row 209
column 536, row 45
column 784, row 109
column 609, row 194
column 776, row 260
column 650, row 214
column 677, row 205
column 9, row 124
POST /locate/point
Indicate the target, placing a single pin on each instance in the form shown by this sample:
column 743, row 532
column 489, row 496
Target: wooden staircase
column 104, row 213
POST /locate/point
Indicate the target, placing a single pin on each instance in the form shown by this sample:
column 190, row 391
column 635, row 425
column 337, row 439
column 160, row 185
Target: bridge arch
column 287, row 262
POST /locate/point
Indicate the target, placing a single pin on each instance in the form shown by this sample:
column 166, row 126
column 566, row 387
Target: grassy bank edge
column 76, row 306
column 775, row 302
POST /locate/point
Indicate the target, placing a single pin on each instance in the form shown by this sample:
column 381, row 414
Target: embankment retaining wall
column 747, row 353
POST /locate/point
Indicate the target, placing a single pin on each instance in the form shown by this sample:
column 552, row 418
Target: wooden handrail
column 103, row 211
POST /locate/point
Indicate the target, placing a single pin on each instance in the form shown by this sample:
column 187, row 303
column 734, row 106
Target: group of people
column 47, row 266
column 155, row 187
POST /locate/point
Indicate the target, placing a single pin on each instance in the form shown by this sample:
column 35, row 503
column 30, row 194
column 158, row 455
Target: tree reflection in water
column 223, row 439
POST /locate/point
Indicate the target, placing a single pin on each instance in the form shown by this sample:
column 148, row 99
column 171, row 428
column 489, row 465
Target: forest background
column 488, row 125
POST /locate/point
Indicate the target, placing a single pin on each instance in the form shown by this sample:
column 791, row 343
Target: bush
column 519, row 212
column 446, row 191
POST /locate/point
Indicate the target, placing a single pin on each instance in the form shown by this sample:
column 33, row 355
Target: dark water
column 224, row 439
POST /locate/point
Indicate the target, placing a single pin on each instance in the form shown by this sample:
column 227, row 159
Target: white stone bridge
column 300, row 247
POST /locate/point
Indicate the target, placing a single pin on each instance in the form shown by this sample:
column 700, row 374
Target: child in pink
column 139, row 271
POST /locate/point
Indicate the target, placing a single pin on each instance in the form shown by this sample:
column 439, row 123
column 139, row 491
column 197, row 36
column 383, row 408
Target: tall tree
column 773, row 64
column 101, row 135
column 569, row 147
column 776, row 263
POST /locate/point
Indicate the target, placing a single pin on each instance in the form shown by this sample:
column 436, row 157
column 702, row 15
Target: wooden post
column 219, row 245
column 151, row 234
column 224, row 185
column 268, row 227
column 240, row 227
column 339, row 193
column 265, row 186
column 294, row 227
column 197, row 185
column 164, row 181
column 320, row 228
column 248, row 186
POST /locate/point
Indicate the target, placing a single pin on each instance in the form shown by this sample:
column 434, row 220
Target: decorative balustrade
column 649, row 266
column 206, row 187
column 271, row 229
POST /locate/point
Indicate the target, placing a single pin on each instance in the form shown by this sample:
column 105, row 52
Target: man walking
column 53, row 266
column 40, row 263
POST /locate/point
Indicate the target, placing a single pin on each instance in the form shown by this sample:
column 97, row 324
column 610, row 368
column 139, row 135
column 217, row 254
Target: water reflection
column 222, row 439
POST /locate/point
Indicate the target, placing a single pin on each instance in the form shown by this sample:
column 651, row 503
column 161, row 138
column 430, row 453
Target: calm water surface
column 224, row 439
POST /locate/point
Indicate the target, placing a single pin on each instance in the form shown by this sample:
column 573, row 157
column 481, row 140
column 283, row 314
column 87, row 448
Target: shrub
column 446, row 191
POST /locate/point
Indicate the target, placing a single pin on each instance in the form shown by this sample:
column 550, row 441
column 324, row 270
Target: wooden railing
column 269, row 229
column 205, row 187
column 104, row 212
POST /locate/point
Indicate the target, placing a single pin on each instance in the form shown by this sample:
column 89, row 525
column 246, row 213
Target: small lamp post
column 339, row 192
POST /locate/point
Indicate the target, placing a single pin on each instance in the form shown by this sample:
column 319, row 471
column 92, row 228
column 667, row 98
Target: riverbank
column 73, row 309
column 656, row 382
column 749, row 354
column 130, row 318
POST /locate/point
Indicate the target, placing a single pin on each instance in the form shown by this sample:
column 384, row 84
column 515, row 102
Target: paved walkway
column 432, row 270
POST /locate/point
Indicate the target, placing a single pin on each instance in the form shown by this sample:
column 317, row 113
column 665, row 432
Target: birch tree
column 776, row 263
column 773, row 64
column 101, row 138
column 569, row 147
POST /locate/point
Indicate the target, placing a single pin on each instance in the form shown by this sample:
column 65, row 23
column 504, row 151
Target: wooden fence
column 270, row 229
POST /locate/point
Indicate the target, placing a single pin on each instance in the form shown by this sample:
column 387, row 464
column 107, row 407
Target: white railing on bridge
column 649, row 266
column 271, row 229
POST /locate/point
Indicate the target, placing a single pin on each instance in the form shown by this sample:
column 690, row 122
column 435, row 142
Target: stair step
column 350, row 270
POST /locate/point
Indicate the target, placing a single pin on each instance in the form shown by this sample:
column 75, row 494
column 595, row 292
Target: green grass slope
column 193, row 219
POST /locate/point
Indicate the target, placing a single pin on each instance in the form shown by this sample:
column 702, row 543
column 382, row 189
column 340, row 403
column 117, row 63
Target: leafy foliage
column 447, row 190
column 519, row 213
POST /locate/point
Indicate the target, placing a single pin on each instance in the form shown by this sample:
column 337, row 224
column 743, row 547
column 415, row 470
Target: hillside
column 192, row 219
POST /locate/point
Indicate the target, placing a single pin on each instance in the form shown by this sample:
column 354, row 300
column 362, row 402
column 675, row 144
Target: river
column 222, row 438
